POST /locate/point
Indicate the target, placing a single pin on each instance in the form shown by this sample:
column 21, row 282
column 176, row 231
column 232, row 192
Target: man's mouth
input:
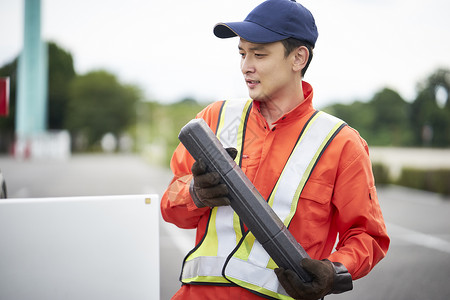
column 252, row 83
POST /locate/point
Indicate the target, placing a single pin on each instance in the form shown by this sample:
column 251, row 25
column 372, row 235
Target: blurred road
column 417, row 265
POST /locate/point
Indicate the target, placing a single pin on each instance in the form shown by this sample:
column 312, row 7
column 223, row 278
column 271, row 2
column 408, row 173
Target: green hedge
column 437, row 181
column 381, row 174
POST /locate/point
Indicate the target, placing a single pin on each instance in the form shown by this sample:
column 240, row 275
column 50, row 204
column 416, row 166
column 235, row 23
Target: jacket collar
column 296, row 113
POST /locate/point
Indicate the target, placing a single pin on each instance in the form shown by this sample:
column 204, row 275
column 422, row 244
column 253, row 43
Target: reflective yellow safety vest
column 229, row 256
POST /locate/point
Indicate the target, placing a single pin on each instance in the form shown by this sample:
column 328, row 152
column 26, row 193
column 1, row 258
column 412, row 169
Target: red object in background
column 4, row 96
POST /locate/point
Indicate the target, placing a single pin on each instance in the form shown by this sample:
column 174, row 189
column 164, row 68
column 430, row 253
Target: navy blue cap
column 272, row 21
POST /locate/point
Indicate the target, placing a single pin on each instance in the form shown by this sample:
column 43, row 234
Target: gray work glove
column 206, row 190
column 327, row 278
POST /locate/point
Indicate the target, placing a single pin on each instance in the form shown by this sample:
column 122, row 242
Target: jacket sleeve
column 363, row 239
column 177, row 206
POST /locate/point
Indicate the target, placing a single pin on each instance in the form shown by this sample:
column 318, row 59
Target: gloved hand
column 205, row 187
column 327, row 278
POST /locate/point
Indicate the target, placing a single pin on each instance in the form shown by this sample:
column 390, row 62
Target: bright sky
column 168, row 48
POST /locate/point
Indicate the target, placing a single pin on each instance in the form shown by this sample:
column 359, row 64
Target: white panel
column 79, row 248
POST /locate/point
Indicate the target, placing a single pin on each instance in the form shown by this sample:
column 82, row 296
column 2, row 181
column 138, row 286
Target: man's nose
column 247, row 65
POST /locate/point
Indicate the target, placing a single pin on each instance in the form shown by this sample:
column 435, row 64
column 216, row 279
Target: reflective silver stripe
column 259, row 276
column 226, row 236
column 258, row 256
column 229, row 122
column 203, row 266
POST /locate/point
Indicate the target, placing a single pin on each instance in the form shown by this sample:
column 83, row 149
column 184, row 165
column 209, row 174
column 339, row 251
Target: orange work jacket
column 339, row 198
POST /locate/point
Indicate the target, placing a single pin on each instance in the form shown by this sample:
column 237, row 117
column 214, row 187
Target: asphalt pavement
column 417, row 265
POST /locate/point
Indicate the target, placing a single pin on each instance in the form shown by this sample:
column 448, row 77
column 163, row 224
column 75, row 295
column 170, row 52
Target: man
column 313, row 170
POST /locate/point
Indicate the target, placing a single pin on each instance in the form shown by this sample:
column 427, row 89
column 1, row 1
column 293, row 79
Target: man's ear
column 301, row 55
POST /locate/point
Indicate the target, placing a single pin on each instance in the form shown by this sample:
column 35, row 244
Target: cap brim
column 249, row 31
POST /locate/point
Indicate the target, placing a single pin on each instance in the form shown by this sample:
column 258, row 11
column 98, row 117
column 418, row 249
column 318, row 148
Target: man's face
column 267, row 72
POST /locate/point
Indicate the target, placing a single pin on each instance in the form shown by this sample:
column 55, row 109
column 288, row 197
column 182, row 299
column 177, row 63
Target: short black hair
column 290, row 44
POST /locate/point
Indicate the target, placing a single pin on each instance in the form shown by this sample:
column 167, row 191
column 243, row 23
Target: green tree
column 99, row 104
column 177, row 115
column 384, row 120
column 390, row 125
column 359, row 115
column 60, row 73
column 429, row 120
column 160, row 124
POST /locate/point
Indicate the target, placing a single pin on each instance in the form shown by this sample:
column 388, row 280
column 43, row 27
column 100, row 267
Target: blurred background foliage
column 96, row 103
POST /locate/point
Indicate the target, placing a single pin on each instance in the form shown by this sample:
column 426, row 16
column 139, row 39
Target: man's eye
column 259, row 55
